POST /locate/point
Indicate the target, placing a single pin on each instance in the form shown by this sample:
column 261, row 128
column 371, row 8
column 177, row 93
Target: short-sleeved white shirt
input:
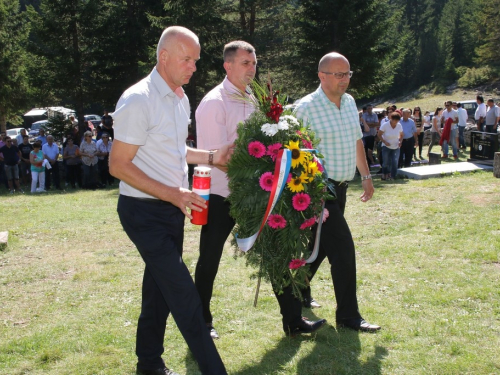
column 391, row 134
column 480, row 111
column 150, row 115
column 451, row 114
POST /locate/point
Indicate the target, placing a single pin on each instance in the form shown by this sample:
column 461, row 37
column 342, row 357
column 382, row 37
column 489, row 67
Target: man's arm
column 364, row 171
column 220, row 157
column 121, row 166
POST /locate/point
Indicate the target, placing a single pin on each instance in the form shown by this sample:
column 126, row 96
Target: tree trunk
column 496, row 165
column 3, row 122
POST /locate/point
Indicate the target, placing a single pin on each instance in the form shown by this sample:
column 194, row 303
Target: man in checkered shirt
column 333, row 116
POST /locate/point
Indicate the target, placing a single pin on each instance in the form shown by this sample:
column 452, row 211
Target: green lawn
column 428, row 255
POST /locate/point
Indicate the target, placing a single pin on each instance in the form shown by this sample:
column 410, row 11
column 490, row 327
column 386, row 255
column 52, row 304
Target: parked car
column 94, row 119
column 35, row 128
column 13, row 133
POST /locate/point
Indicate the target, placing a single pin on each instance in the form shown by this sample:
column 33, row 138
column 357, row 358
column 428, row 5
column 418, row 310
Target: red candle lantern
column 201, row 186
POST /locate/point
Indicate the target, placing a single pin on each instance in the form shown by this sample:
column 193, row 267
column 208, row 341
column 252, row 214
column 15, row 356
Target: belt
column 339, row 183
column 407, row 139
column 148, row 200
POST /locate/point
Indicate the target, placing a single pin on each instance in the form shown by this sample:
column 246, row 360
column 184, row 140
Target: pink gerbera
column 308, row 223
column 256, row 149
column 301, row 201
column 276, row 221
column 266, row 181
column 306, row 143
column 296, row 263
column 326, row 213
column 272, row 150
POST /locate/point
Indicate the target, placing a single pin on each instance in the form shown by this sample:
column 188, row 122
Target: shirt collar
column 323, row 97
column 162, row 86
column 232, row 89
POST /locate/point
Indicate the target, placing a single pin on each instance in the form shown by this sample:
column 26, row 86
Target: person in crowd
column 41, row 137
column 37, row 168
column 462, row 123
column 371, row 120
column 410, row 140
column 107, row 125
column 480, row 114
column 418, row 118
column 25, row 166
column 436, row 128
column 427, row 121
column 151, row 124
column 11, row 156
column 3, row 176
column 492, row 117
column 391, row 134
column 449, row 112
column 332, row 115
column 51, row 153
column 88, row 153
column 71, row 154
column 19, row 137
column 103, row 149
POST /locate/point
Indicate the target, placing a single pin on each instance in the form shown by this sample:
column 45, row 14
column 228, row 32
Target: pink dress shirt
column 217, row 118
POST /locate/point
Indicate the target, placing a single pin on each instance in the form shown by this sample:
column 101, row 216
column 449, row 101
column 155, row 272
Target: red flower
column 266, row 181
column 300, row 201
column 275, row 112
column 296, row 263
column 276, row 221
column 308, row 223
column 256, row 149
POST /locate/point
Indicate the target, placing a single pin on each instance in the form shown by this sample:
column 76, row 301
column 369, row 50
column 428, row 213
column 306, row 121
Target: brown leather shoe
column 357, row 325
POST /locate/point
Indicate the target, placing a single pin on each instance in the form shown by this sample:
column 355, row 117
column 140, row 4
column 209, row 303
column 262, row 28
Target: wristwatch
column 368, row 177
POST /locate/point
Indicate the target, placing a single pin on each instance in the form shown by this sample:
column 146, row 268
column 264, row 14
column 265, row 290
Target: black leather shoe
column 305, row 326
column 158, row 371
column 213, row 333
column 310, row 303
column 357, row 325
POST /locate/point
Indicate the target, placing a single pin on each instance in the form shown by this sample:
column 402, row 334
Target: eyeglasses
column 340, row 75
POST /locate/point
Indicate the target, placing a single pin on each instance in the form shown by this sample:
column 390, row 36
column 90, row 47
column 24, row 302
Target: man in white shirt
column 51, row 153
column 492, row 117
column 449, row 112
column 480, row 112
column 462, row 123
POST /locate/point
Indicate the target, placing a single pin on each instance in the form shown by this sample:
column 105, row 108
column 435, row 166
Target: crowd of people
column 38, row 166
column 397, row 135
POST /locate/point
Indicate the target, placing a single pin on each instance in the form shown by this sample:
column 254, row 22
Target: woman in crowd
column 391, row 134
column 37, row 168
column 88, row 152
column 419, row 123
column 72, row 156
column 436, row 128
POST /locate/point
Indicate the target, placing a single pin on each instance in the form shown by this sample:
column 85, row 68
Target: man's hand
column 223, row 155
column 184, row 199
column 368, row 190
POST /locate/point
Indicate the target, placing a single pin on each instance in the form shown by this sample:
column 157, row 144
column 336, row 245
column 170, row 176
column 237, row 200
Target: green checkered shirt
column 338, row 129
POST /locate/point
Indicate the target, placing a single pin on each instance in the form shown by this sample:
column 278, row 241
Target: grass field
column 428, row 255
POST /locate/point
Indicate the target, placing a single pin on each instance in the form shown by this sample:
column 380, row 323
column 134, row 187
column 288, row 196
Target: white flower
column 283, row 125
column 269, row 129
column 290, row 119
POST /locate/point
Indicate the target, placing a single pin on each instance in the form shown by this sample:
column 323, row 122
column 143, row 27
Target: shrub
column 473, row 77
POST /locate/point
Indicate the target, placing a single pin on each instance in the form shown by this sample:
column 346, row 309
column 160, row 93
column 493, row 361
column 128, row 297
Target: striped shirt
column 337, row 128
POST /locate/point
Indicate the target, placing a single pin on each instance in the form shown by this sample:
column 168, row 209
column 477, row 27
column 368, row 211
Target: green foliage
column 14, row 30
column 58, row 127
column 475, row 76
column 488, row 51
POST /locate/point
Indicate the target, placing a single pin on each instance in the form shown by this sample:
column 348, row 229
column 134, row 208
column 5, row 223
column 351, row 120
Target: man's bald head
column 328, row 58
column 171, row 35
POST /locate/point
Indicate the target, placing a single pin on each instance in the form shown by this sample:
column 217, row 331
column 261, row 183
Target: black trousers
column 420, row 145
column 157, row 230
column 74, row 174
column 337, row 244
column 213, row 236
column 212, row 239
column 104, row 175
column 52, row 176
column 406, row 152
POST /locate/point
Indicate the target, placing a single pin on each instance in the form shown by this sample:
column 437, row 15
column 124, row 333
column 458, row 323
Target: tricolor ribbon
column 281, row 171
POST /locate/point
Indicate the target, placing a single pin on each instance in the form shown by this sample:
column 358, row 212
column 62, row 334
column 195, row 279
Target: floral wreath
column 282, row 246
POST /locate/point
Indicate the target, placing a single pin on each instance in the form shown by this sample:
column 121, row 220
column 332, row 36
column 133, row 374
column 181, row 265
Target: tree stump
column 496, row 165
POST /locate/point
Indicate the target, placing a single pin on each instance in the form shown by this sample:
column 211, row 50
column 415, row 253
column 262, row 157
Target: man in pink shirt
column 217, row 118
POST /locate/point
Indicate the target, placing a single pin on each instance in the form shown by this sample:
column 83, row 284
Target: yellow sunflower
column 311, row 170
column 298, row 157
column 296, row 184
